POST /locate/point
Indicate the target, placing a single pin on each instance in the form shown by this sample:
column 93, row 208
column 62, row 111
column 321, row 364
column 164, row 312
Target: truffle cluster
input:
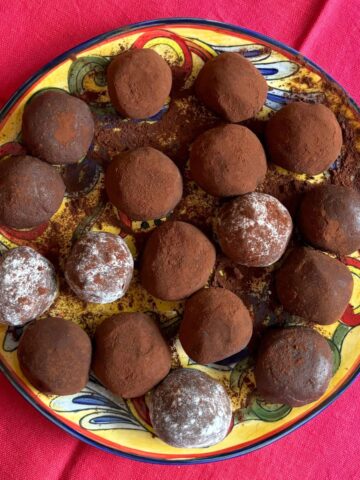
column 188, row 408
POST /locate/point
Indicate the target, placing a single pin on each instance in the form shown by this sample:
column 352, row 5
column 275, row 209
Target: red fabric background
column 32, row 32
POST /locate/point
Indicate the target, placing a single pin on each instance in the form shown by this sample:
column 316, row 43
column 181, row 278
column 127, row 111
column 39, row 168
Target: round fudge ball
column 54, row 355
column 294, row 366
column 28, row 285
column 232, row 87
column 228, row 160
column 139, row 82
column 131, row 356
column 190, row 410
column 254, row 229
column 304, row 138
column 216, row 324
column 177, row 261
column 312, row 285
column 57, row 127
column 144, row 183
column 31, row 192
column 99, row 268
column 329, row 219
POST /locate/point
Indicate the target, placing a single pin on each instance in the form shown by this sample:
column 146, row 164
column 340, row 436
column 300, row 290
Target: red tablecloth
column 32, row 32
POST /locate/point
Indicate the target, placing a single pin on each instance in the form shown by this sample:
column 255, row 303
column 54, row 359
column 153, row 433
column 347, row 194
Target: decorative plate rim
column 173, row 21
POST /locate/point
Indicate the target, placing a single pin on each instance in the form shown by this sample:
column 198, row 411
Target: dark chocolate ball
column 232, row 87
column 228, row 160
column 139, row 82
column 144, row 183
column 254, row 229
column 190, row 410
column 329, row 218
column 130, row 356
column 99, row 268
column 54, row 355
column 31, row 192
column 57, row 127
column 294, row 366
column 304, row 138
column 177, row 261
column 216, row 324
column 312, row 285
column 28, row 285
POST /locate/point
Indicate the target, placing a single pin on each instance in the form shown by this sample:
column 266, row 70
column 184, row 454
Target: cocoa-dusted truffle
column 139, row 82
column 228, row 160
column 57, row 127
column 294, row 366
column 254, row 229
column 312, row 285
column 99, row 268
column 54, row 355
column 232, row 87
column 304, row 138
column 190, row 410
column 329, row 218
column 144, row 183
column 28, row 285
column 177, row 261
column 31, row 192
column 130, row 355
column 215, row 325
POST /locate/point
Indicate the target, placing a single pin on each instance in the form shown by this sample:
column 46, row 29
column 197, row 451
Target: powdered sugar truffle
column 99, row 268
column 190, row 410
column 28, row 285
column 254, row 229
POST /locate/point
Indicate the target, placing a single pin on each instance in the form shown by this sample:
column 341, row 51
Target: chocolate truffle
column 190, row 410
column 99, row 268
column 57, row 127
column 312, row 285
column 130, row 355
column 143, row 183
column 177, row 261
column 254, row 229
column 28, row 285
column 31, row 191
column 330, row 218
column 228, row 160
column 232, row 87
column 54, row 355
column 304, row 138
column 216, row 324
column 139, row 82
column 294, row 366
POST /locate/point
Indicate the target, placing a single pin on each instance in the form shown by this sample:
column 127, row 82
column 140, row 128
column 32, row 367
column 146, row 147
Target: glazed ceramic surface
column 94, row 414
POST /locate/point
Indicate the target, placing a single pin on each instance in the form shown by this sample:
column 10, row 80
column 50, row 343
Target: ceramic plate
column 95, row 415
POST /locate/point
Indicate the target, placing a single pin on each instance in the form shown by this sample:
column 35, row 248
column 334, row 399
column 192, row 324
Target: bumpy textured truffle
column 99, row 268
column 57, row 127
column 54, row 355
column 314, row 286
column 139, row 82
column 130, row 355
column 190, row 410
column 177, row 261
column 304, row 138
column 28, row 285
column 227, row 161
column 294, row 366
column 216, row 324
column 254, row 229
column 232, row 87
column 329, row 219
column 31, row 191
column 144, row 183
